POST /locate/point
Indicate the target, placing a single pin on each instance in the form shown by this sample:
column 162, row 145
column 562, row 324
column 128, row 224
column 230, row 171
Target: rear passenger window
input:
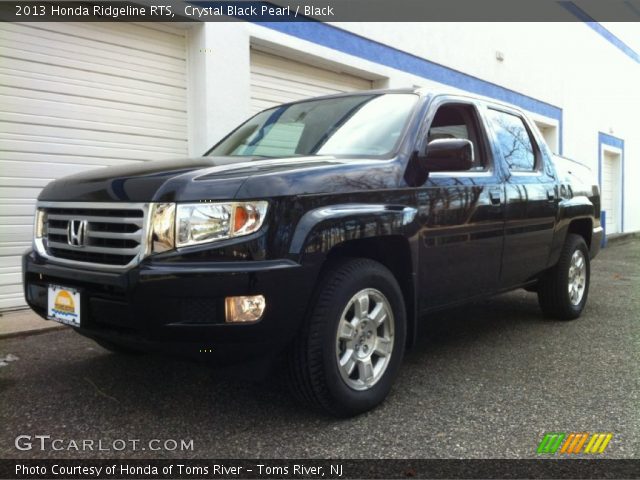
column 514, row 141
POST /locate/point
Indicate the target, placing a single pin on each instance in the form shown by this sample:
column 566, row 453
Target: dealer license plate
column 64, row 305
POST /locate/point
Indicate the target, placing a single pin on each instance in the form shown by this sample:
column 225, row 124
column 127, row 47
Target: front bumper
column 596, row 241
column 179, row 307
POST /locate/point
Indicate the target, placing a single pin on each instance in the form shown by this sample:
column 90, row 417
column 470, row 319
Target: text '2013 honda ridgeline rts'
column 322, row 230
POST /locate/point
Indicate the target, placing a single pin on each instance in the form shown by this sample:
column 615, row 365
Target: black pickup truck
column 320, row 232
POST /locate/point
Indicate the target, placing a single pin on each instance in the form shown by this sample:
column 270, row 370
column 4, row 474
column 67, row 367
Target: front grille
column 201, row 310
column 112, row 235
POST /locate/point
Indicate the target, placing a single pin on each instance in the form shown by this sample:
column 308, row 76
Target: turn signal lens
column 248, row 217
column 39, row 224
column 163, row 216
column 240, row 219
column 244, row 309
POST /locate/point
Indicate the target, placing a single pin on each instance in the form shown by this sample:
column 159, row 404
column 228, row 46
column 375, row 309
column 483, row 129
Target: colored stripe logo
column 573, row 443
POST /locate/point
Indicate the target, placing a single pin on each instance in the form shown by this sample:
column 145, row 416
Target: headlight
column 206, row 222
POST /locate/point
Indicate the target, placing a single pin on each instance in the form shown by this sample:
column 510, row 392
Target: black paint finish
column 449, row 237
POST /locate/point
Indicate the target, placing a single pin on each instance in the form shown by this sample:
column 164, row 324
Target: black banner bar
column 320, row 10
column 317, row 469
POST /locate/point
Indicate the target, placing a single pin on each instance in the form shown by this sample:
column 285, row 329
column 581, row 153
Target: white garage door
column 79, row 96
column 276, row 80
column 611, row 198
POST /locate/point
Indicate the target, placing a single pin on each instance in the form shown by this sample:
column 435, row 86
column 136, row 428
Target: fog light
column 244, row 309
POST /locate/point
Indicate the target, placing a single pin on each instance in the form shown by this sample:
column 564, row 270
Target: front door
column 461, row 215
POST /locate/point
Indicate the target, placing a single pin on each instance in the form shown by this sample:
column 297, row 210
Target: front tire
column 563, row 290
column 348, row 353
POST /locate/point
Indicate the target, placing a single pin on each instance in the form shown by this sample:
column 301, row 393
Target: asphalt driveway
column 485, row 381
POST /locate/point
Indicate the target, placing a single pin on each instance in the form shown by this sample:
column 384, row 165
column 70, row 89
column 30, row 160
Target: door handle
column 496, row 196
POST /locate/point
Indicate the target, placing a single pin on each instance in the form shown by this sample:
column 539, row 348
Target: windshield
column 358, row 125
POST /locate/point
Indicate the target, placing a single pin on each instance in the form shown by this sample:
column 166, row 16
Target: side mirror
column 448, row 155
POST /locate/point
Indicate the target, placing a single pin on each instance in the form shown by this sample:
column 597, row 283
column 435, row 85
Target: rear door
column 462, row 213
column 531, row 197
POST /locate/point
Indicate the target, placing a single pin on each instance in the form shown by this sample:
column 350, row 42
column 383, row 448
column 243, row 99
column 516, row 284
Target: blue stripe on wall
column 606, row 139
column 611, row 140
column 600, row 30
column 352, row 44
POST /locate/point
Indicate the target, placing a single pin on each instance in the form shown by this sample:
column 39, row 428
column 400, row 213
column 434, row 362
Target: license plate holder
column 63, row 305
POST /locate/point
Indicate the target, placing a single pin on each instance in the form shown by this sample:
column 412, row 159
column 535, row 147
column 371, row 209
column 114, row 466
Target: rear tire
column 349, row 351
column 563, row 290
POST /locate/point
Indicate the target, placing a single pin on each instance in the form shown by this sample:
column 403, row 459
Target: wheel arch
column 575, row 215
column 582, row 227
column 394, row 253
column 378, row 232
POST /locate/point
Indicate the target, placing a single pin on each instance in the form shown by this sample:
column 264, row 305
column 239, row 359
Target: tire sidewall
column 356, row 401
column 576, row 244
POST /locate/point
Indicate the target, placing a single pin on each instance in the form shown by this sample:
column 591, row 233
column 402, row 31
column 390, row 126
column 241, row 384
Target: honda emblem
column 76, row 232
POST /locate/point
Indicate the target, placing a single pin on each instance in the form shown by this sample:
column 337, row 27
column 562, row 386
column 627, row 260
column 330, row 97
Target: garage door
column 611, row 198
column 276, row 80
column 80, row 96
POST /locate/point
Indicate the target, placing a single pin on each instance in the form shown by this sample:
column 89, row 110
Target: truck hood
column 222, row 178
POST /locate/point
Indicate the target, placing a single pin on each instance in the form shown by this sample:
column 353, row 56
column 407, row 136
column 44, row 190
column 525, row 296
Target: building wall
column 75, row 97
column 128, row 104
column 566, row 75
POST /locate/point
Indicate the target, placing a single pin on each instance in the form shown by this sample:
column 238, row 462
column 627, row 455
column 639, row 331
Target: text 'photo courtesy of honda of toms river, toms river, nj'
column 319, row 231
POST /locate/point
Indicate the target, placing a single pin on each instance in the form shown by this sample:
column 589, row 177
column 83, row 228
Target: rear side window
column 514, row 141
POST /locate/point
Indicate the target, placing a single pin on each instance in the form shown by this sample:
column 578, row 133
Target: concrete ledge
column 24, row 322
column 621, row 237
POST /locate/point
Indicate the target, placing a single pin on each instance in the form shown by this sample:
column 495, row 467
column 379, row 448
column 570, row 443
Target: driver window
column 459, row 121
